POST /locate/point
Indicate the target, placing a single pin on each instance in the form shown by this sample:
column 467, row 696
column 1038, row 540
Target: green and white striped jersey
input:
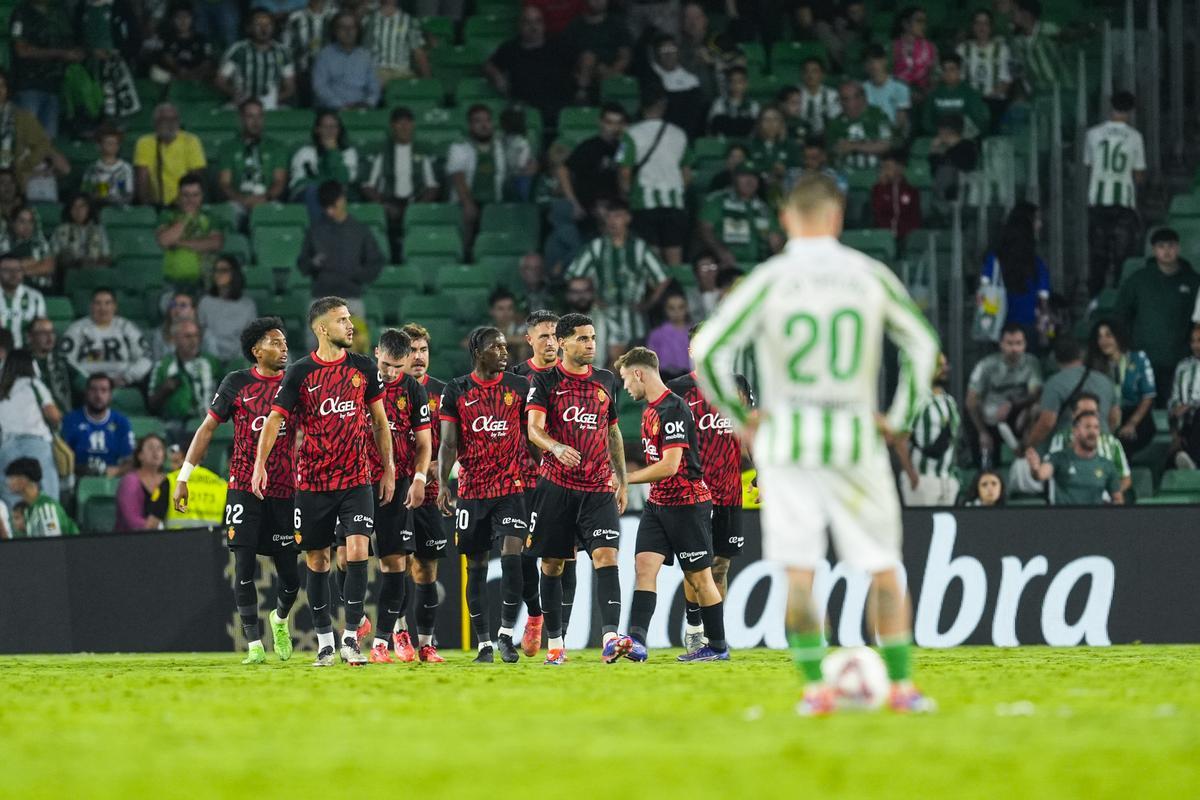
column 1109, row 446
column 816, row 315
column 985, row 66
column 258, row 73
column 45, row 518
column 305, row 33
column 25, row 305
column 620, row 273
column 659, row 181
column 392, row 38
column 1185, row 389
column 939, row 413
column 1114, row 151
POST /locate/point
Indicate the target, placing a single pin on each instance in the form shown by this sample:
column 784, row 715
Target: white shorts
column 858, row 507
column 932, row 490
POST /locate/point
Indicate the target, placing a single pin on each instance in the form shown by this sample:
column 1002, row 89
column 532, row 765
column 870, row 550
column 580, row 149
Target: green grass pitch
column 1031, row 722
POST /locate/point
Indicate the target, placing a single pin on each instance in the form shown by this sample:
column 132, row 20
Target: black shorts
column 393, row 525
column 727, row 535
column 264, row 525
column 431, row 529
column 565, row 519
column 320, row 513
column 683, row 531
column 479, row 522
column 661, row 227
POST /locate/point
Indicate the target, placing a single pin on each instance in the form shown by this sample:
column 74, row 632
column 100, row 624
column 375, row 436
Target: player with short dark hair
column 428, row 526
column 677, row 520
column 582, row 490
column 720, row 451
column 327, row 391
column 540, row 327
column 254, row 525
column 481, row 420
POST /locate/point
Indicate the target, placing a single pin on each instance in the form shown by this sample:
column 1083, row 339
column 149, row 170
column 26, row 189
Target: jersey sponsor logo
column 649, row 448
column 311, row 389
column 490, row 425
column 581, row 417
column 673, row 429
column 247, row 399
column 514, row 522
column 715, row 422
column 468, row 404
column 606, row 533
column 260, row 421
column 343, row 408
column 692, row 556
column 436, row 544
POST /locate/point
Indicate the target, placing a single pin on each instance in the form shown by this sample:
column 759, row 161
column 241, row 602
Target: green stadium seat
column 444, row 243
column 684, row 275
column 1143, row 482
column 470, row 305
column 114, row 217
column 1184, row 206
column 237, row 244
column 143, row 425
column 277, row 247
column 370, row 214
column 498, row 8
column 365, row 121
column 438, row 140
column 452, row 63
column 203, row 118
column 400, row 278
column 222, row 216
column 416, row 307
column 1180, row 481
column 1106, row 301
column 787, row 57
column 621, row 89
column 499, row 243
column 413, row 91
column 92, row 486
column 441, row 29
column 134, row 242
column 629, row 421
column 453, row 360
column 765, row 88
column 755, row 53
column 513, row 218
column 507, row 272
column 288, row 119
column 579, row 118
column 184, row 92
column 1173, row 499
column 1027, row 501
column 49, row 215
column 489, row 26
column 877, row 243
column 89, row 279
column 475, row 90
column 1130, row 266
column 261, row 278
column 59, row 310
column 465, row 277
column 279, row 215
column 427, row 215
column 129, row 400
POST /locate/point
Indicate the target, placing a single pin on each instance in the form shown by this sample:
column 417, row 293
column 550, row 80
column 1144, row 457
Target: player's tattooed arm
column 616, row 454
column 447, row 455
column 567, row 456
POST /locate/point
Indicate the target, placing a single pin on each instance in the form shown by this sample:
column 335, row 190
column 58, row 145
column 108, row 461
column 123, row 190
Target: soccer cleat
column 508, row 651
column 484, row 656
column 705, row 653
column 637, row 652
column 324, row 658
column 531, row 640
column 615, row 649
column 907, row 699
column 255, row 655
column 363, row 631
column 556, row 657
column 429, row 655
column 350, row 653
column 404, row 648
column 818, row 701
column 281, row 635
column 693, row 641
column 379, row 654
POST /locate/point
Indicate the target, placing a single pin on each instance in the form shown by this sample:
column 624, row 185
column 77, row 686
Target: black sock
column 477, row 602
column 402, row 604
column 245, row 563
column 530, row 590
column 568, row 593
column 427, row 605
column 714, row 625
column 692, row 611
column 640, row 613
column 355, row 592
column 510, row 589
column 287, row 572
column 318, row 601
column 608, row 596
column 339, row 575
column 391, row 590
column 552, row 605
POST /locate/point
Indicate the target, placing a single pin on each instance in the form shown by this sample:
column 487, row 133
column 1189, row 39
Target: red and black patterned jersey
column 720, row 448
column 407, row 408
column 667, row 423
column 328, row 400
column 490, row 417
column 579, row 411
column 433, row 388
column 245, row 396
column 529, row 463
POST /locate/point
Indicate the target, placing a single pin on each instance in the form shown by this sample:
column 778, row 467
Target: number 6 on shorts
column 296, row 518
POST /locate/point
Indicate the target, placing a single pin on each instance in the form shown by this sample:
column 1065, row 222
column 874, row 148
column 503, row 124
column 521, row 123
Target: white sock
column 378, row 642
column 257, row 643
column 690, row 629
column 506, row 632
column 401, row 625
column 608, row 637
column 325, row 640
column 556, row 643
column 424, row 639
column 484, row 644
column 349, row 634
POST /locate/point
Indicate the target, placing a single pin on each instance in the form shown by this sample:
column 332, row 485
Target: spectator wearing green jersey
column 928, row 453
column 183, row 382
column 258, row 66
column 953, row 95
column 1039, row 60
column 655, row 169
column 253, row 168
column 1185, row 401
column 862, row 133
column 774, row 153
column 1082, row 477
column 39, row 516
column 738, row 226
column 1130, row 370
column 188, row 235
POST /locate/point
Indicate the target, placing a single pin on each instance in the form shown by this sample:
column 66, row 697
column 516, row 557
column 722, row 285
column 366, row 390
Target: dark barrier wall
column 977, row 576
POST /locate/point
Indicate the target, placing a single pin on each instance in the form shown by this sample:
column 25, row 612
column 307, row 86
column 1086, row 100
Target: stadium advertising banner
column 977, row 576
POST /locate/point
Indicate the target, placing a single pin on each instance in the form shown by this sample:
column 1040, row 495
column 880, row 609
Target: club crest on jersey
column 296, row 535
column 654, row 427
column 356, row 380
column 601, row 396
column 231, row 533
column 401, row 402
column 509, row 397
column 433, row 404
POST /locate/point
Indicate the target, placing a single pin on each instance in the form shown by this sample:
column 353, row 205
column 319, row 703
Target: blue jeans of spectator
column 44, row 106
column 218, row 20
column 563, row 242
column 34, row 447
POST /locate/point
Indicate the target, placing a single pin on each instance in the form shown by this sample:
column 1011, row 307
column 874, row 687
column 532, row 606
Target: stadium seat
column 465, row 277
column 621, row 89
column 629, row 420
column 413, row 91
column 516, row 219
column 1173, row 499
column 499, row 243
column 399, row 278
column 451, row 63
column 60, row 311
column 444, row 243
column 441, row 29
column 1184, row 206
column 488, row 26
column 470, row 305
column 88, row 279
column 426, row 215
column 278, row 214
column 1130, row 266
column 370, row 214
column 788, row 56
column 49, row 215
column 143, row 425
column 184, row 92
column 129, row 401
column 877, row 243
column 365, row 122
column 579, row 118
column 475, row 90
column 93, row 486
column 134, row 242
column 277, row 247
column 288, row 119
column 1143, row 482
column 114, row 217
column 238, row 245
column 417, row 307
column 1180, row 481
column 765, row 88
column 203, row 119
column 684, row 275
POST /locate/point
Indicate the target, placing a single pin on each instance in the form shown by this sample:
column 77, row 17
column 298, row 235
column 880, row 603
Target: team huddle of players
column 336, row 447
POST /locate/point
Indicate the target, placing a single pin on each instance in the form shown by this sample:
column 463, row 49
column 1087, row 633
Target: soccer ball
column 858, row 677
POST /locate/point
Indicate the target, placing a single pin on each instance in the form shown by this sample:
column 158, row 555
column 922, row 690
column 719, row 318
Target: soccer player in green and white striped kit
column 816, row 316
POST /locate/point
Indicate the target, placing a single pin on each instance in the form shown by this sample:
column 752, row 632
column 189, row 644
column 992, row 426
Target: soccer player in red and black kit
column 326, row 392
column 482, row 417
column 581, row 491
column 676, row 522
column 540, row 334
column 254, row 525
column 428, row 525
column 407, row 407
column 721, row 457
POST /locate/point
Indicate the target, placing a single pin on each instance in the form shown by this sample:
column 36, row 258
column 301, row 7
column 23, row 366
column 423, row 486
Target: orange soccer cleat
column 429, row 654
column 363, row 631
column 404, row 648
column 379, row 654
column 531, row 641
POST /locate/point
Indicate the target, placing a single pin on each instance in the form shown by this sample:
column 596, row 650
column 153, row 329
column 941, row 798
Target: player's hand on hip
column 181, row 497
column 416, row 495
column 567, row 456
column 258, row 481
column 387, row 487
column 622, row 498
column 445, row 501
